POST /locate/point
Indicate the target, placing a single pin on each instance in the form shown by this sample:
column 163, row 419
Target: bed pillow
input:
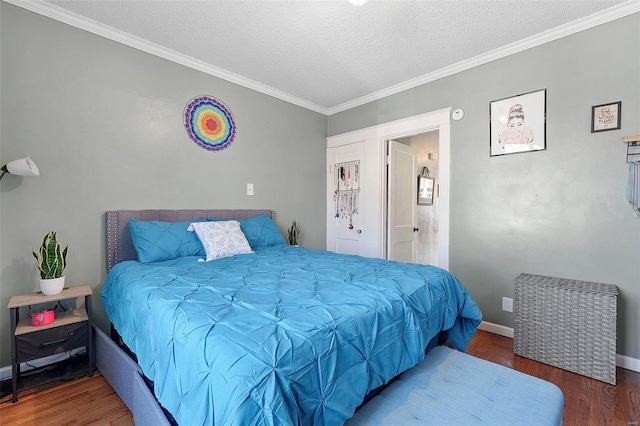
column 155, row 241
column 262, row 231
column 221, row 239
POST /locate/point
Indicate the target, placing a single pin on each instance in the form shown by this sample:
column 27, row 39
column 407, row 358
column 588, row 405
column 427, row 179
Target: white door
column 346, row 190
column 402, row 199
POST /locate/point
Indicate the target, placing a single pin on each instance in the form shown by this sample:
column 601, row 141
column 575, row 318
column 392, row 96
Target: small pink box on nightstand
column 42, row 317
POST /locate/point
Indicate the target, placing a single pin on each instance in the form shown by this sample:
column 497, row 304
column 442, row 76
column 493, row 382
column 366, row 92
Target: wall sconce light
column 21, row 167
column 433, row 156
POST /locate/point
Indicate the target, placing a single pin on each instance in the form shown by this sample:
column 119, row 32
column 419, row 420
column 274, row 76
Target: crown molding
column 573, row 27
column 83, row 23
column 58, row 14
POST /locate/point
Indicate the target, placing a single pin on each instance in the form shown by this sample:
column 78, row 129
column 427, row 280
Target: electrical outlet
column 249, row 189
column 507, row 304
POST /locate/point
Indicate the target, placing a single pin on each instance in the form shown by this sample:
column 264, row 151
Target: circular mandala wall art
column 209, row 123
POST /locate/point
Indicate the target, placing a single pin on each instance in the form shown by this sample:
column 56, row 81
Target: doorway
column 427, row 148
column 365, row 227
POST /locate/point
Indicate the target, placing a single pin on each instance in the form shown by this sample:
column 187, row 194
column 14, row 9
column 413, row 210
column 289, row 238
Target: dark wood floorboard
column 91, row 401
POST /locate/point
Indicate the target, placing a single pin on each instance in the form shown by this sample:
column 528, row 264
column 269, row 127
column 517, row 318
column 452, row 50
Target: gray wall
column 560, row 212
column 103, row 123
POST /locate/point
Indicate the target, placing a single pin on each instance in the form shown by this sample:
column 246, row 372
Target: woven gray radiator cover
column 567, row 323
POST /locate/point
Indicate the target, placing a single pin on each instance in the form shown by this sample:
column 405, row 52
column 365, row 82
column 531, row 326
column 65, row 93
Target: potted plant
column 294, row 233
column 52, row 260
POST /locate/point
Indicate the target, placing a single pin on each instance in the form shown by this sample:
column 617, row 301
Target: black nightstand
column 71, row 329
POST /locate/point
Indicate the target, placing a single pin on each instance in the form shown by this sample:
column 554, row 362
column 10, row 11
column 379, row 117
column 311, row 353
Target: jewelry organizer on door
column 347, row 192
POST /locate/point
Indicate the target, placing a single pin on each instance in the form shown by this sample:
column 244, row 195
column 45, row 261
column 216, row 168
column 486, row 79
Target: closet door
column 347, row 202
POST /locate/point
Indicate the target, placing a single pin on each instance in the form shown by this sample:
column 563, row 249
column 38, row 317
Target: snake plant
column 51, row 258
column 294, row 233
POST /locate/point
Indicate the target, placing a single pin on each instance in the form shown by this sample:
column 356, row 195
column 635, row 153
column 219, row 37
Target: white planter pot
column 52, row 286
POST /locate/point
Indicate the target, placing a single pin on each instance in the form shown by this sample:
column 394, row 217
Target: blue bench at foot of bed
column 452, row 388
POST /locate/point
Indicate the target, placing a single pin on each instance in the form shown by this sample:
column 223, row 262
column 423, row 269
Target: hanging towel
column 633, row 186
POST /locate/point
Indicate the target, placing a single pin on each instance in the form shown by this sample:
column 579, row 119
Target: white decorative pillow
column 221, row 238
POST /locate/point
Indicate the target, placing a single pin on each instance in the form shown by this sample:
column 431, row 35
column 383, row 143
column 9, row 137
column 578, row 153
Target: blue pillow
column 155, row 241
column 261, row 231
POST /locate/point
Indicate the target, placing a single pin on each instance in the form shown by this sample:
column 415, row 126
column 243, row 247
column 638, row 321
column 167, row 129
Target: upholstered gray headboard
column 119, row 244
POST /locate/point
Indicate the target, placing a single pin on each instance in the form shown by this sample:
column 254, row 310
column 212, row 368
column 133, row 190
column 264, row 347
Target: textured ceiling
column 330, row 53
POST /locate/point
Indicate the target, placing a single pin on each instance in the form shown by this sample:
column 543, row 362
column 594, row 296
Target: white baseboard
column 498, row 329
column 628, row 362
column 622, row 361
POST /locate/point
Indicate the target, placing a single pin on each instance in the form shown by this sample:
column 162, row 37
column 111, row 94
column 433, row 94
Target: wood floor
column 84, row 401
column 587, row 402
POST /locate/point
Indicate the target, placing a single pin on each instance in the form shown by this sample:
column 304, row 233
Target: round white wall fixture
column 457, row 114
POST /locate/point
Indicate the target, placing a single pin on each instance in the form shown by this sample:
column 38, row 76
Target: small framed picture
column 425, row 190
column 606, row 117
column 518, row 124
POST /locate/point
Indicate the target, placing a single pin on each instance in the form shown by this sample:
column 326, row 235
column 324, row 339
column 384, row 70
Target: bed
column 281, row 335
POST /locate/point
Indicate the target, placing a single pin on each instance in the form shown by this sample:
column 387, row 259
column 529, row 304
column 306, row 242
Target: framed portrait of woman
column 518, row 124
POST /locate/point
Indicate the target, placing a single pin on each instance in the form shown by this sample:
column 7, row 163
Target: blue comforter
column 285, row 335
